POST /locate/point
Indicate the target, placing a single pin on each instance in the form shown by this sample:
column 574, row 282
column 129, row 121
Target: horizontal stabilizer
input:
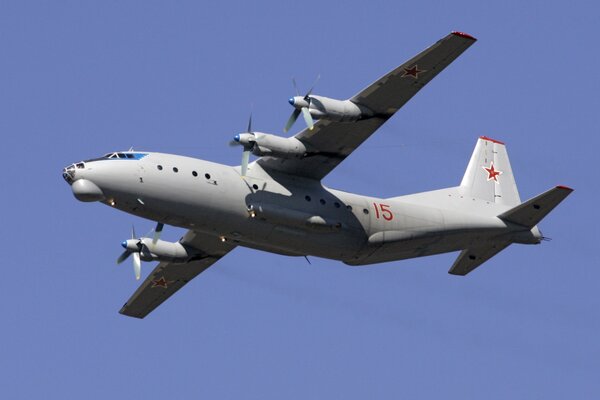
column 473, row 257
column 530, row 213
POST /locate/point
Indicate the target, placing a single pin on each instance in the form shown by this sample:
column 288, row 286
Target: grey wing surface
column 167, row 278
column 330, row 142
column 473, row 257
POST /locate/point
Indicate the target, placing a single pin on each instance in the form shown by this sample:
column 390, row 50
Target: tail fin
column 489, row 175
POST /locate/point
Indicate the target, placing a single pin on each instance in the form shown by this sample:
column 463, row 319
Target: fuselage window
column 336, row 204
column 307, row 198
column 194, row 173
column 255, row 186
column 207, row 176
column 159, row 167
column 175, row 169
column 365, row 211
column 322, row 201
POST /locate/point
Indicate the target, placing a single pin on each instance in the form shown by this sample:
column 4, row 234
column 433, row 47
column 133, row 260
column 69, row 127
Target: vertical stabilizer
column 489, row 175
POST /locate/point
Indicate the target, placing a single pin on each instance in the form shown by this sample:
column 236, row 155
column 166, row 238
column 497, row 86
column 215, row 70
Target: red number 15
column 383, row 210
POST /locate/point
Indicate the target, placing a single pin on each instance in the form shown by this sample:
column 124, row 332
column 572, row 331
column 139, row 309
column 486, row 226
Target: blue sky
column 79, row 79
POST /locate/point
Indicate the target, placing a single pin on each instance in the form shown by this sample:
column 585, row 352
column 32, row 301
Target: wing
column 167, row 278
column 333, row 141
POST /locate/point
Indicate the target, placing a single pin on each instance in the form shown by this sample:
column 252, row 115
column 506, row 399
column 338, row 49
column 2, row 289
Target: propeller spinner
column 302, row 106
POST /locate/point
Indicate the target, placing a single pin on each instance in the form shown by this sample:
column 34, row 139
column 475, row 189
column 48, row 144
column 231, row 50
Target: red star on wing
column 162, row 282
column 413, row 71
column 492, row 172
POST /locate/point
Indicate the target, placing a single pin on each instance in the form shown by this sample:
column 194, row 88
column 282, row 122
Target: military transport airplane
column 278, row 204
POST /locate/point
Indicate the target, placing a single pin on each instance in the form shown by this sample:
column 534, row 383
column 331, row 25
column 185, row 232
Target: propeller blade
column 249, row 124
column 157, row 232
column 245, row 159
column 124, row 256
column 311, row 88
column 137, row 266
column 295, row 86
column 133, row 235
column 307, row 118
column 292, row 119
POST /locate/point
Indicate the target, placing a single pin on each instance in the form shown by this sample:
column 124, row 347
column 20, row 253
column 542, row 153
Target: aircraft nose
column 69, row 174
column 83, row 188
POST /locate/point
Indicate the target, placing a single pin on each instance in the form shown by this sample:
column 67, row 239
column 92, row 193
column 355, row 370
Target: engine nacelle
column 159, row 251
column 277, row 146
column 332, row 109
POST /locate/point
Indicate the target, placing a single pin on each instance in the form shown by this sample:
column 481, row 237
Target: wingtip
column 565, row 188
column 463, row 35
column 124, row 311
column 491, row 140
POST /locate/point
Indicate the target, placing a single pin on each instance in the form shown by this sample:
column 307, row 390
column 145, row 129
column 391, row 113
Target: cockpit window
column 125, row 156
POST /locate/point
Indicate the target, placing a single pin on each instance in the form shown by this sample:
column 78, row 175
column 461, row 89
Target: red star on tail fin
column 492, row 172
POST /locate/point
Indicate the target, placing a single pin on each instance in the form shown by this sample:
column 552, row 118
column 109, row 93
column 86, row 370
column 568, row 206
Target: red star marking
column 413, row 71
column 162, row 282
column 492, row 172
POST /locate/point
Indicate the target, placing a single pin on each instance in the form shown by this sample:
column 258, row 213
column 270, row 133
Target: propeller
column 135, row 246
column 301, row 105
column 247, row 140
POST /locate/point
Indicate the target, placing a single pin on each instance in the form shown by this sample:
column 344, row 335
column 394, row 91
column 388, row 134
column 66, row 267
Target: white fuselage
column 291, row 215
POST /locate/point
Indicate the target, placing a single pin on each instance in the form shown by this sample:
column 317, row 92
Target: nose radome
column 86, row 190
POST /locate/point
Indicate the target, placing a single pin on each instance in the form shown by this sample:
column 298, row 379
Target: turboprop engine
column 265, row 144
column 161, row 250
column 153, row 249
column 332, row 109
column 319, row 107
